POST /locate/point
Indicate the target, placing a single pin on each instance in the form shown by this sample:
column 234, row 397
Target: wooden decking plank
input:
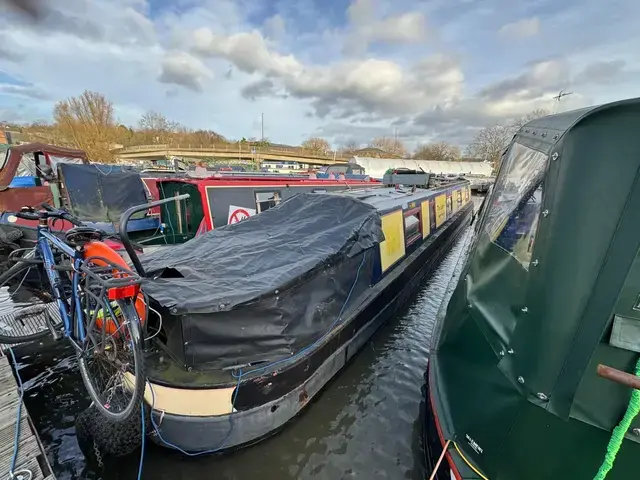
column 7, row 435
column 29, row 446
column 32, row 465
column 27, row 450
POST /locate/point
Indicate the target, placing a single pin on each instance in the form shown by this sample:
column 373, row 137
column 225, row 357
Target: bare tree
column 349, row 149
column 316, row 145
column 440, row 151
column 87, row 122
column 490, row 143
column 390, row 145
column 518, row 122
column 154, row 127
column 157, row 122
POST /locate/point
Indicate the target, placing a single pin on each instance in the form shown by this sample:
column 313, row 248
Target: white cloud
column 404, row 28
column 248, row 51
column 528, row 27
column 382, row 86
column 430, row 69
column 180, row 68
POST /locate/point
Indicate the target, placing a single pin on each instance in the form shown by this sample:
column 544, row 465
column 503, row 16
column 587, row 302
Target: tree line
column 88, row 122
column 488, row 144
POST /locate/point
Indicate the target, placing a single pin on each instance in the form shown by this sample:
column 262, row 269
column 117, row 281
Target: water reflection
column 367, row 423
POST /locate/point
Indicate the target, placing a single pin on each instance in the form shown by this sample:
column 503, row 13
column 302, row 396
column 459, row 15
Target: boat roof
column 45, row 148
column 387, row 198
column 244, row 179
column 544, row 133
column 14, row 155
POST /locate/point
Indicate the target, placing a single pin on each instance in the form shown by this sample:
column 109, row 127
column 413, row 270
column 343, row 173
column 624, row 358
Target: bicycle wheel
column 111, row 363
column 25, row 305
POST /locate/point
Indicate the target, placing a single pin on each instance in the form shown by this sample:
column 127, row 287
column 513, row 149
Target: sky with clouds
column 427, row 70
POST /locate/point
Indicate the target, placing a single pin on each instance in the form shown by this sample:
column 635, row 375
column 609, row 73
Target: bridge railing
column 242, row 148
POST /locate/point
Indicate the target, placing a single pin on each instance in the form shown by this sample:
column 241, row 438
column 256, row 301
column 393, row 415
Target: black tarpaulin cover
column 101, row 193
column 269, row 285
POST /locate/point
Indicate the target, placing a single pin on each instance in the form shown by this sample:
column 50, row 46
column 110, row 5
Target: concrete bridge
column 228, row 152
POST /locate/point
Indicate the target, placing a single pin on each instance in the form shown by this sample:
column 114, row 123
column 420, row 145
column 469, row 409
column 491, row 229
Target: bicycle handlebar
column 28, row 213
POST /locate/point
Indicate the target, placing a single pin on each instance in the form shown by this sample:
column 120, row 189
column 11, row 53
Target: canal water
column 367, row 423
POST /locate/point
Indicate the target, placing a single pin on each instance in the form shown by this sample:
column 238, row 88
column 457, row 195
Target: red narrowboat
column 229, row 198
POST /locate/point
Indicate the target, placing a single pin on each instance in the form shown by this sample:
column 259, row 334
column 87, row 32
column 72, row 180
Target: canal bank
column 367, row 422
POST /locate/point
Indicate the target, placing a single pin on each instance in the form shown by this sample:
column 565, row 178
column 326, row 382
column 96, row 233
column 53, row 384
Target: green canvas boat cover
column 554, row 262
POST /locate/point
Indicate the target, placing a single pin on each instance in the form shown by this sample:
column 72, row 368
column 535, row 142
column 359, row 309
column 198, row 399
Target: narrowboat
column 37, row 173
column 251, row 319
column 230, row 197
column 534, row 366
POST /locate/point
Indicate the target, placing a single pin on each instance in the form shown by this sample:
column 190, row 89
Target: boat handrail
column 124, row 220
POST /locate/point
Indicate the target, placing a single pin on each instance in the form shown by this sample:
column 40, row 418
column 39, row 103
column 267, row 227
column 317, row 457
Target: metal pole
column 262, row 128
column 618, row 376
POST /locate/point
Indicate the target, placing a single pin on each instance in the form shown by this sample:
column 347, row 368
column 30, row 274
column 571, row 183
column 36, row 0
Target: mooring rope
column 618, row 433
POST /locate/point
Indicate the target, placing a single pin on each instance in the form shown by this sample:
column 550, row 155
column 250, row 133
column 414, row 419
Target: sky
column 345, row 70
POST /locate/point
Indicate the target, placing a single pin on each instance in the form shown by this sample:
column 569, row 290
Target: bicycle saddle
column 81, row 235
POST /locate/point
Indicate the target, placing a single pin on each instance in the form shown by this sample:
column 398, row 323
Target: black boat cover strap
column 101, row 193
column 241, row 262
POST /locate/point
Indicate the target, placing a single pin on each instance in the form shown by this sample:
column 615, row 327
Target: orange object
column 102, row 250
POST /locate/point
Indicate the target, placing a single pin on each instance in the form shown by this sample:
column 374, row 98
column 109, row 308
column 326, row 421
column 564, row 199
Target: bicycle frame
column 45, row 240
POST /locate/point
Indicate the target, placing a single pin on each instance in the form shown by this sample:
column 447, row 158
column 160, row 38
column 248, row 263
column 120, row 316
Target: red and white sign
column 237, row 214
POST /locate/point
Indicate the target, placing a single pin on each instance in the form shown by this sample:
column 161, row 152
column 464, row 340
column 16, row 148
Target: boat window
column 412, row 231
column 5, row 159
column 512, row 219
column 266, row 200
column 27, row 166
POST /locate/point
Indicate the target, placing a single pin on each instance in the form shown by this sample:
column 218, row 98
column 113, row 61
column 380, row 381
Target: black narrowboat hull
column 262, row 407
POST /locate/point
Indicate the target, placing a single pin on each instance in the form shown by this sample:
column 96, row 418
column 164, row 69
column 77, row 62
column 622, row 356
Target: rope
column 469, row 464
column 444, row 452
column 143, row 435
column 618, row 433
column 19, row 475
column 175, row 447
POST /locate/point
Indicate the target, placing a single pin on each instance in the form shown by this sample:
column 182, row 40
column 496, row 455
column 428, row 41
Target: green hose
column 618, row 433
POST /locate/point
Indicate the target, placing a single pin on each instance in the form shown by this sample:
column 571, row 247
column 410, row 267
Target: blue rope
column 195, row 454
column 240, row 375
column 16, row 440
column 143, row 435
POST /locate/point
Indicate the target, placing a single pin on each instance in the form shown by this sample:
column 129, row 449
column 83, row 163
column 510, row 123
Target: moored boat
column 533, row 371
column 37, row 173
column 254, row 318
column 229, row 198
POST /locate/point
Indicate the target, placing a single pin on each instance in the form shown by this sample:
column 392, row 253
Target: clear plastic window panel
column 512, row 220
column 27, row 166
column 5, row 157
column 56, row 160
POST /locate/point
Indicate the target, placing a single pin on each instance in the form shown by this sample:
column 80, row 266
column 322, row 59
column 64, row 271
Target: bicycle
column 100, row 306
